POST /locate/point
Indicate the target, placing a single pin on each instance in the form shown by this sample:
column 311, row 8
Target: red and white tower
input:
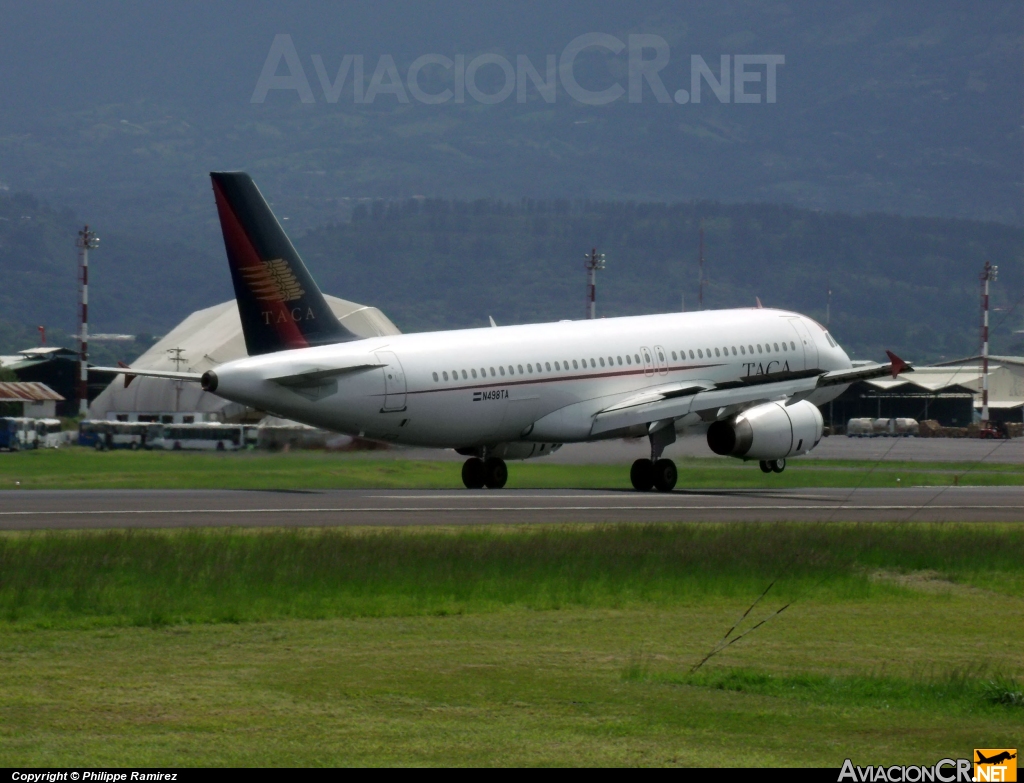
column 86, row 241
column 987, row 276
column 594, row 262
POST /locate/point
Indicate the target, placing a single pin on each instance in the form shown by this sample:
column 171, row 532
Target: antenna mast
column 594, row 261
column 700, row 269
column 987, row 276
column 87, row 240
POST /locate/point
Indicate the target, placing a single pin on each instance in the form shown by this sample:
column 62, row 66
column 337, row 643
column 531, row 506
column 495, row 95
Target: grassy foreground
column 558, row 645
column 79, row 468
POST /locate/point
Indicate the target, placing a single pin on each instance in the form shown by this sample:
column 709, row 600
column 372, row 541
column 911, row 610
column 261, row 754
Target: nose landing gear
column 491, row 473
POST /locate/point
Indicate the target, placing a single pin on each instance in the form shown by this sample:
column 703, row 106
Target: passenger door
column 394, row 382
column 805, row 344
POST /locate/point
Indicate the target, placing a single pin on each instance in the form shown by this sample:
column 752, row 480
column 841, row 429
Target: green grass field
column 78, row 468
column 564, row 645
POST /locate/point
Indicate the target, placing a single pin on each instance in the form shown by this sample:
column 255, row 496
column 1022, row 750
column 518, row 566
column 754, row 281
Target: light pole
column 594, row 262
column 87, row 240
column 987, row 276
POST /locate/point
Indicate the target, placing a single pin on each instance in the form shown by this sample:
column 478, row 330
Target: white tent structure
column 201, row 342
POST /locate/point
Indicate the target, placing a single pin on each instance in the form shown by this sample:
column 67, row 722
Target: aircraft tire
column 642, row 475
column 765, row 466
column 778, row 465
column 665, row 475
column 495, row 473
column 473, row 473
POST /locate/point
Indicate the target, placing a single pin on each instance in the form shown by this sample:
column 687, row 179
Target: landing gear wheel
column 778, row 465
column 642, row 475
column 495, row 473
column 473, row 475
column 766, row 466
column 665, row 475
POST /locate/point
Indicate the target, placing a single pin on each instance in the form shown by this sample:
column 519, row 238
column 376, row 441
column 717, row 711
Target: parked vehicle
column 17, row 433
column 48, row 433
column 199, row 437
column 105, row 435
column 860, row 428
column 995, row 430
column 93, row 433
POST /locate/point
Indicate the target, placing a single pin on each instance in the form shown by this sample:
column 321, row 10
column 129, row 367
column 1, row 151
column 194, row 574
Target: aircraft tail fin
column 280, row 304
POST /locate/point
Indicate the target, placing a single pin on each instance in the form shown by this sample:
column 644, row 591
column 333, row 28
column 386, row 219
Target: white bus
column 48, row 433
column 198, row 437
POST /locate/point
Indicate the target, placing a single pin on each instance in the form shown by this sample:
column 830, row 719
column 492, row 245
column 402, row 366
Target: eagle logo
column 273, row 281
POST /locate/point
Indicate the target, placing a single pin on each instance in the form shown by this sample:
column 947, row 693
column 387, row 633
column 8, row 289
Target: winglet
column 127, row 377
column 898, row 365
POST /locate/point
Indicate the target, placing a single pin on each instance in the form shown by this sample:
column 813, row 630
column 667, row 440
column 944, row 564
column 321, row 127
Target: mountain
column 118, row 112
column 904, row 283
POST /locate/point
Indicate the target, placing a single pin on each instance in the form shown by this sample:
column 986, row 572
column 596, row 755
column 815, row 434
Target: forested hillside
column 909, row 284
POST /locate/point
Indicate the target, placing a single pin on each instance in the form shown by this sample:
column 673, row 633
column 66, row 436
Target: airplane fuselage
column 539, row 383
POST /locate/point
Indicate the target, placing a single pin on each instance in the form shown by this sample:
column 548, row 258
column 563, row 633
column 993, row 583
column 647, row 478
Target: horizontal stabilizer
column 128, row 372
column 317, row 375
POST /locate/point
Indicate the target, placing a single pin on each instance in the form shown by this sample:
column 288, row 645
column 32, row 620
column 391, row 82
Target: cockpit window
column 830, row 340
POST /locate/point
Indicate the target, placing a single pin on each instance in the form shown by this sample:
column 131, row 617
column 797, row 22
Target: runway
column 97, row 509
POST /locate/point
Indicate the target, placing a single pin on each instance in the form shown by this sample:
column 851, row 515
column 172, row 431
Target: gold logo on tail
column 273, row 281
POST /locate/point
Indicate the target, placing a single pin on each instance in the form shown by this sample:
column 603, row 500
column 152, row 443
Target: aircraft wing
column 711, row 400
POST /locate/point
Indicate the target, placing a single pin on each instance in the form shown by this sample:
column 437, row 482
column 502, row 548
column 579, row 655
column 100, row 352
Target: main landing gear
column 478, row 473
column 656, row 472
column 772, row 465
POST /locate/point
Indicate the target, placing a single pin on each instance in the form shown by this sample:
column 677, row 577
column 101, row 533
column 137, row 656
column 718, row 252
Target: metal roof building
column 38, row 400
column 949, row 392
column 201, row 342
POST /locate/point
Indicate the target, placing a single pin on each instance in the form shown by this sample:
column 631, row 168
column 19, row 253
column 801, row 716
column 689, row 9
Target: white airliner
column 751, row 379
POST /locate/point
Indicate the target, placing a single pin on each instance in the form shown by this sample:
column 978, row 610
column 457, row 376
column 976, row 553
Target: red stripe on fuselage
column 242, row 255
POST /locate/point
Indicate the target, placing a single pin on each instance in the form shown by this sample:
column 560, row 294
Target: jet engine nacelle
column 770, row 431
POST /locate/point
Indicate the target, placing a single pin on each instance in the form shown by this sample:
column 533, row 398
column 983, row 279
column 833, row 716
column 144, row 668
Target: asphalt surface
column 69, row 509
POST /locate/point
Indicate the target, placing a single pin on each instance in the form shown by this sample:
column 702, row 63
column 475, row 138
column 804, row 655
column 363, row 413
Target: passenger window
column 792, row 345
column 529, row 368
column 742, row 350
column 691, row 354
column 435, row 376
column 661, row 356
column 602, row 361
column 784, row 347
column 511, row 370
column 776, row 347
column 483, row 372
column 473, row 373
column 445, row 375
column 751, row 349
column 593, row 363
column 501, row 370
column 620, row 360
column 492, row 372
column 547, row 366
column 611, row 362
column 520, row 368
column 575, row 364
column 734, row 350
column 700, row 353
column 636, row 356
column 716, row 352
column 647, row 358
column 465, row 377
column 759, row 347
column 628, row 360
column 557, row 367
